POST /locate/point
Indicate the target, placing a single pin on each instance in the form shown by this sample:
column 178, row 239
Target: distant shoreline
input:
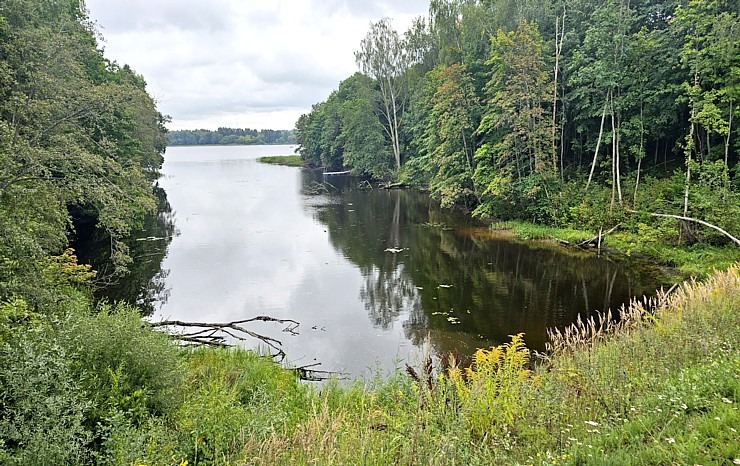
column 261, row 144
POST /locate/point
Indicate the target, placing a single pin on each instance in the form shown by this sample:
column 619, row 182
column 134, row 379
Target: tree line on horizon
column 227, row 136
column 573, row 112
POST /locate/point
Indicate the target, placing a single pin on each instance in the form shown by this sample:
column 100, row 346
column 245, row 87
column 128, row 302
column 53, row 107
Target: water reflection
column 452, row 276
column 375, row 277
column 145, row 283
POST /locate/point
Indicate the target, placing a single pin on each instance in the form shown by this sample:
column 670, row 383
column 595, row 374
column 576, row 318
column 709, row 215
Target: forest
column 229, row 136
column 561, row 113
column 565, row 113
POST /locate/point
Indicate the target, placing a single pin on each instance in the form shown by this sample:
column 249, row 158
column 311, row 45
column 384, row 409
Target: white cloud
column 241, row 63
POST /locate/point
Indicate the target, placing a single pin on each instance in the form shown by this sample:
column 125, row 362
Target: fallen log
column 689, row 219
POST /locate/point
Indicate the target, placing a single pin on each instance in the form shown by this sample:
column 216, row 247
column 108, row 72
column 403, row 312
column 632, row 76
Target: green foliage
column 77, row 133
column 446, row 143
column 343, row 132
column 234, row 397
column 124, row 365
column 223, row 136
column 72, row 379
column 287, row 160
column 43, row 406
column 492, row 390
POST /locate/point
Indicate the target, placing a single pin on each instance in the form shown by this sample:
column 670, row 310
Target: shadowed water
column 375, row 277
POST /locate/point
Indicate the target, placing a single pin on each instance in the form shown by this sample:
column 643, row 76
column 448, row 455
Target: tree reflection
column 145, row 282
column 388, row 293
column 456, row 283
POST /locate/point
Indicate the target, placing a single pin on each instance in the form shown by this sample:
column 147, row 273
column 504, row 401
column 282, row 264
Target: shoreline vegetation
column 286, row 160
column 679, row 262
column 658, row 386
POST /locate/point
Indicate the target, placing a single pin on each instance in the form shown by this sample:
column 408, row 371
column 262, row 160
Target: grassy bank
column 686, row 261
column 660, row 387
column 287, row 160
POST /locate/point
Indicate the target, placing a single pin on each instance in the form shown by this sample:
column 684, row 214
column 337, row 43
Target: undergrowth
column 685, row 261
column 659, row 385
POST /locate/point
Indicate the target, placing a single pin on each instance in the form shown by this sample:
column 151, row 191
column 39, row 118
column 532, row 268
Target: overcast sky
column 241, row 63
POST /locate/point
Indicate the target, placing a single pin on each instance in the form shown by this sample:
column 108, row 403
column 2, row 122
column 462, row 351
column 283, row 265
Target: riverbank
column 660, row 387
column 679, row 262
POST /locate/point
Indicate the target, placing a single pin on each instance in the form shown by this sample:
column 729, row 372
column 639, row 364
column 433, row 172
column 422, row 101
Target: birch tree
column 382, row 56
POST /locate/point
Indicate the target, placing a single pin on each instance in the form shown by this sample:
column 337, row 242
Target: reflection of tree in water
column 388, row 293
column 459, row 285
column 145, row 282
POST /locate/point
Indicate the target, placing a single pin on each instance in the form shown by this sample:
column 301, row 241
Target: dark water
column 376, row 278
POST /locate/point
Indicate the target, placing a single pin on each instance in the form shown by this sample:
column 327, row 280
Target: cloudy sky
column 241, row 63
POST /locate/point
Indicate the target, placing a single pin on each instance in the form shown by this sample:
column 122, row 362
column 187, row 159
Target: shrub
column 491, row 391
column 122, row 363
column 43, row 405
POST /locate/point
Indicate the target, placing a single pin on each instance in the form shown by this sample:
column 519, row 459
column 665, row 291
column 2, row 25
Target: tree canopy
column 571, row 112
column 79, row 137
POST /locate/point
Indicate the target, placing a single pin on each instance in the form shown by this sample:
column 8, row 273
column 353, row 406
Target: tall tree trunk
column 727, row 139
column 598, row 143
column 637, row 182
column 690, row 148
column 615, row 152
column 641, row 155
column 558, row 49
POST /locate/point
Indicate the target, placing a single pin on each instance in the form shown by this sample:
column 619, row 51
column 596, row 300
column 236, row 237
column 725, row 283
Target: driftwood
column 689, row 219
column 216, row 333
column 392, row 185
column 365, row 184
column 598, row 238
column 312, row 375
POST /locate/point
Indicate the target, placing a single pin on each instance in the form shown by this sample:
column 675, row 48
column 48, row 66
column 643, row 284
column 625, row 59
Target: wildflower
column 592, row 423
column 670, row 440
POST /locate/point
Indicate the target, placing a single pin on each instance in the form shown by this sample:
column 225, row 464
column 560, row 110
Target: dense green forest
column 558, row 112
column 230, row 136
column 80, row 139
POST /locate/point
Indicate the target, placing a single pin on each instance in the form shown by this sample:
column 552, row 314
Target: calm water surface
column 375, row 278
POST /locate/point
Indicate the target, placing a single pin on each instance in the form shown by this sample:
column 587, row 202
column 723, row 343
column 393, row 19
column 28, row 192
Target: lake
column 376, row 278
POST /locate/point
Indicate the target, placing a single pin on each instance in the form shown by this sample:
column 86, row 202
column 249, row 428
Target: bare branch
column 216, row 333
column 689, row 219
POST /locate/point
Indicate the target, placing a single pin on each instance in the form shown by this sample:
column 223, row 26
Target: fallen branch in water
column 689, row 219
column 216, row 333
column 313, row 375
column 599, row 237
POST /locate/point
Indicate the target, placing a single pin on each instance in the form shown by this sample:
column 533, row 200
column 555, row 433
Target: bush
column 42, row 402
column 122, row 363
column 491, row 391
